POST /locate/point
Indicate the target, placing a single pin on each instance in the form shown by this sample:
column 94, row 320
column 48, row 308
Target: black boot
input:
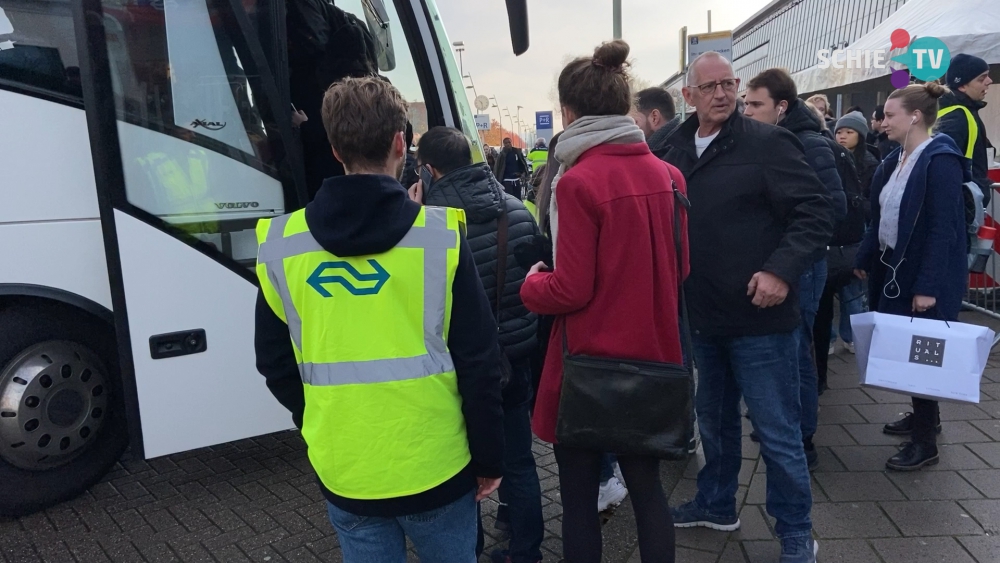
column 812, row 456
column 904, row 427
column 913, row 456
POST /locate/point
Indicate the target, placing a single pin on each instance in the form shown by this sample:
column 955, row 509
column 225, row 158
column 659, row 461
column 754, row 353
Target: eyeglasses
column 728, row 84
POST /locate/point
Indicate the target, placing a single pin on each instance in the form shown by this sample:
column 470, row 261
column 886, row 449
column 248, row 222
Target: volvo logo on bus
column 237, row 205
column 210, row 125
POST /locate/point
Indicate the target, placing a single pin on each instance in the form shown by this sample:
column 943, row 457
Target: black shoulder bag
column 629, row 407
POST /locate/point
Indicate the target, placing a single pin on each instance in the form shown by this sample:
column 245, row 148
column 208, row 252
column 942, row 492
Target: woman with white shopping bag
column 915, row 250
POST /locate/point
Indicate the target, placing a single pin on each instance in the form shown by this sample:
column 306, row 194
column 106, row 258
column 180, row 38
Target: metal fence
column 984, row 289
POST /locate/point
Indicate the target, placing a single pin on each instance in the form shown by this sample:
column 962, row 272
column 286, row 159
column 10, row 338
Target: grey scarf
column 582, row 135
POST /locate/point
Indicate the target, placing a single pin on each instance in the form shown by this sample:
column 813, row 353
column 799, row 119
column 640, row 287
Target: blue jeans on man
column 520, row 491
column 764, row 370
column 811, row 286
column 442, row 535
column 851, row 298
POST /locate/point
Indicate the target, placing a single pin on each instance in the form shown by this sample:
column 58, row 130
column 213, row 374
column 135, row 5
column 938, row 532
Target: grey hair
column 689, row 77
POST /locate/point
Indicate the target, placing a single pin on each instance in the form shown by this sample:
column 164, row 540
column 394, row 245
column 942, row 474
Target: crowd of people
column 421, row 334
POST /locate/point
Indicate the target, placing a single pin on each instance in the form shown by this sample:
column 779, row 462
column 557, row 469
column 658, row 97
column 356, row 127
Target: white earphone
column 913, row 121
column 780, row 111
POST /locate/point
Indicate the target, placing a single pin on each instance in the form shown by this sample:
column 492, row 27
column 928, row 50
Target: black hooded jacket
column 361, row 215
column 821, row 158
column 475, row 189
column 956, row 126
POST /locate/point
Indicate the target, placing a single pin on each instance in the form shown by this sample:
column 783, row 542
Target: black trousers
column 513, row 187
column 926, row 415
column 821, row 333
column 579, row 479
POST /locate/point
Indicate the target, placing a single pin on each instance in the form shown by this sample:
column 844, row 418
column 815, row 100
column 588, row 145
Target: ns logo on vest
column 317, row 279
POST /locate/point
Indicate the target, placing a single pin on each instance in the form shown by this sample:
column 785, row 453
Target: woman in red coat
column 614, row 285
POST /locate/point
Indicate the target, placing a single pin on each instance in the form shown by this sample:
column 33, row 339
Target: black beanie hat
column 964, row 69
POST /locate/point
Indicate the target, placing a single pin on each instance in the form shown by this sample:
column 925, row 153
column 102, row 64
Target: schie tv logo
column 926, row 58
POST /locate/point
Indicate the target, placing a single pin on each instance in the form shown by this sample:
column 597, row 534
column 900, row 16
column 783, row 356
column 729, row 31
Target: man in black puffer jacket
column 773, row 98
column 444, row 157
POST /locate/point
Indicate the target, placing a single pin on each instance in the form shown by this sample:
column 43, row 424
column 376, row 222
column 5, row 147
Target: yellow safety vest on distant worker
column 383, row 416
column 973, row 128
column 538, row 157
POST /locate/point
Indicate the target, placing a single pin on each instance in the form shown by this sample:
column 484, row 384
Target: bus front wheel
column 62, row 417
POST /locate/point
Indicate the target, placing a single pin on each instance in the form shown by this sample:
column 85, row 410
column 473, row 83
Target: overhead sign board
column 543, row 120
column 482, row 122
column 720, row 41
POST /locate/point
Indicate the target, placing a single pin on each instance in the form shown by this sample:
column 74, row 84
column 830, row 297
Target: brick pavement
column 256, row 500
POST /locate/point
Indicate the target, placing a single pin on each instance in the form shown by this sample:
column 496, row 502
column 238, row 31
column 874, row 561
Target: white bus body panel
column 50, row 230
column 203, row 399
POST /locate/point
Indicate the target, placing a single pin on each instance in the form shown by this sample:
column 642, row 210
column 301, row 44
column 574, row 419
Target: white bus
column 140, row 141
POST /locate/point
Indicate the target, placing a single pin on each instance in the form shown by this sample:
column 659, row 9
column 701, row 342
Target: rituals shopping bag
column 921, row 357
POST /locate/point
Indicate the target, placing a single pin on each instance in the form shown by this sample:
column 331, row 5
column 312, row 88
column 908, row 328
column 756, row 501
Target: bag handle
column 679, row 201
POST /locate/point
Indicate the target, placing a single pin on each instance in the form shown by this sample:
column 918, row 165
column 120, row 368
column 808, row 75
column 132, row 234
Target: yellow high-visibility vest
column 383, row 416
column 973, row 128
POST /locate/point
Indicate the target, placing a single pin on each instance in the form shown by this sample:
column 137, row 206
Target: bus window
column 38, row 46
column 199, row 142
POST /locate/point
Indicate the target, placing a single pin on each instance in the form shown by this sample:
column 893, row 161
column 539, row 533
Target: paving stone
column 686, row 556
column 828, row 462
column 986, row 481
column 872, row 435
column 985, row 549
column 733, row 553
column 931, row 518
column 921, row 550
column 762, row 551
column 753, row 526
column 851, row 521
column 986, row 512
column 864, row 458
column 882, row 414
column 990, row 427
column 833, row 435
column 702, row 539
column 934, row 485
column 957, row 457
column 846, row 551
column 886, row 397
column 961, row 432
column 844, row 397
column 839, row 414
column 991, row 408
column 988, row 452
column 962, row 411
column 852, row 487
column 757, row 493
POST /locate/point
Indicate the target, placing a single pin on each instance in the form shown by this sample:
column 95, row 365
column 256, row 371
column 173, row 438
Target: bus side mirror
column 517, row 15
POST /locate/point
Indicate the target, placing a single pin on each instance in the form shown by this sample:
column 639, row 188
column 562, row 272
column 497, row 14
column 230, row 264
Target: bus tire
column 62, row 414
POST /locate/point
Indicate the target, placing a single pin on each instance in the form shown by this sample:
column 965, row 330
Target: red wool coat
column 616, row 282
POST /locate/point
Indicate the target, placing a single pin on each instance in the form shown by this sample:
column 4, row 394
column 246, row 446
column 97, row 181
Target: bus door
column 192, row 144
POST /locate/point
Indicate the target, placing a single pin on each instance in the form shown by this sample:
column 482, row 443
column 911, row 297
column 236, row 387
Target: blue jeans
column 442, row 535
column 764, row 370
column 811, row 286
column 520, row 490
column 851, row 297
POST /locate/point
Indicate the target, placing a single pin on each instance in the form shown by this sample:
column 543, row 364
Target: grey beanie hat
column 856, row 121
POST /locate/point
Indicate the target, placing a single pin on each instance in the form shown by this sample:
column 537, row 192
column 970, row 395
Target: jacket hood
column 800, row 118
column 939, row 145
column 361, row 214
column 956, row 98
column 472, row 188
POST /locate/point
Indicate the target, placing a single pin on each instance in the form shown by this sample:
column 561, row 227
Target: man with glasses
column 758, row 216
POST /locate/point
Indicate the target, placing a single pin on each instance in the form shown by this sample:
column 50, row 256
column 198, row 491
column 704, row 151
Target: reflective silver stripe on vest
column 436, row 240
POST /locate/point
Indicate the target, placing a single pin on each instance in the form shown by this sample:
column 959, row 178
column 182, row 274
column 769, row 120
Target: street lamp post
column 507, row 111
column 519, row 108
column 473, row 85
column 460, row 48
column 616, row 15
column 496, row 104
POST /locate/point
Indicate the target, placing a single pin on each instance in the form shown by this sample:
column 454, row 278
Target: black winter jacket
column 755, row 206
column 809, row 129
column 367, row 214
column 475, row 189
column 866, row 163
column 956, row 126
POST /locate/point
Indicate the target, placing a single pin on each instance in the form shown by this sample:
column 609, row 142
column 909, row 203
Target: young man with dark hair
column 969, row 80
column 493, row 215
column 881, row 140
column 400, row 406
column 772, row 97
column 655, row 114
column 511, row 168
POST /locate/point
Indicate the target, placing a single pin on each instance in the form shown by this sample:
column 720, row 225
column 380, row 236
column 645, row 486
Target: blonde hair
column 921, row 97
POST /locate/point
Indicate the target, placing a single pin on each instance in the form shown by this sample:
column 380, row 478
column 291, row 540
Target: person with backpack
column 772, row 97
column 852, row 130
column 915, row 253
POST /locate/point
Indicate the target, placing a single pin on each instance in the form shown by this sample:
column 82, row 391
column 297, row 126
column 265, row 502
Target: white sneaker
column 849, row 346
column 833, row 348
column 611, row 494
column 618, row 473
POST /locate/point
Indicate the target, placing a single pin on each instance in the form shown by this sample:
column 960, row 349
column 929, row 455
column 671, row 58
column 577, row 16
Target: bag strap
column 501, row 252
column 681, row 201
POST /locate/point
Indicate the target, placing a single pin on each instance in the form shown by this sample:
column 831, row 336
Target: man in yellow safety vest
column 374, row 330
column 969, row 80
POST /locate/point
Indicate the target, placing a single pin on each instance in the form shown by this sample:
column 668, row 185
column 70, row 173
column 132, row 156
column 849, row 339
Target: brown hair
column 598, row 85
column 922, row 97
column 362, row 116
column 779, row 85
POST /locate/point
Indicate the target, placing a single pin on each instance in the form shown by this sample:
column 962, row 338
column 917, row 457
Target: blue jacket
column 930, row 256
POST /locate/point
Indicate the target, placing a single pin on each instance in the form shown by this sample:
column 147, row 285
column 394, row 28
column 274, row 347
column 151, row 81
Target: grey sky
column 561, row 28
